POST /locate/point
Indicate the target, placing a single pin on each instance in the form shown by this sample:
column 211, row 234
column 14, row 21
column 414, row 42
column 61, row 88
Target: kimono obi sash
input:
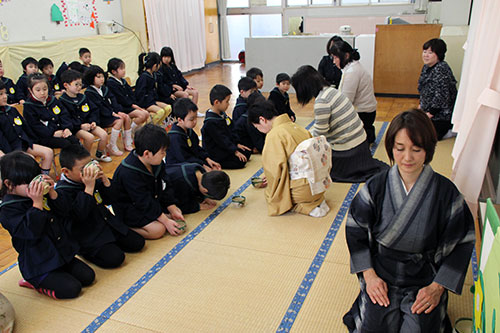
column 312, row 160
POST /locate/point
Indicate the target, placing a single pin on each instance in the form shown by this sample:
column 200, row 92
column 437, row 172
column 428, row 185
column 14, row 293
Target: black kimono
column 185, row 147
column 39, row 236
column 329, row 71
column 22, row 87
column 15, row 129
column 187, row 192
column 106, row 104
column 146, row 92
column 46, row 119
column 123, row 93
column 12, row 91
column 220, row 141
column 140, row 196
column 248, row 135
column 281, row 102
column 240, row 108
column 82, row 111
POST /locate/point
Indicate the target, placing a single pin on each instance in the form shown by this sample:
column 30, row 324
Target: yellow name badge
column 98, row 198
column 189, row 142
column 18, row 121
column 45, row 204
column 56, row 86
column 56, row 109
column 12, row 90
column 85, row 107
column 228, row 121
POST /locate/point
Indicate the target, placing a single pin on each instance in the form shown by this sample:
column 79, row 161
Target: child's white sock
column 128, row 137
column 133, row 126
column 113, row 137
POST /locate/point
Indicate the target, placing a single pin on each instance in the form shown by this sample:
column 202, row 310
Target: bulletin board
column 25, row 21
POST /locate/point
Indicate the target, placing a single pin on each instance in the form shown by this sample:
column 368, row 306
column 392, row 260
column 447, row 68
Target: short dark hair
column 246, row 83
column 44, row 62
column 35, row 78
column 114, row 64
column 91, row 73
column 27, row 61
column 217, row 184
column 307, row 82
column 254, row 72
column 82, row 51
column 420, row 131
column 341, row 49
column 72, row 153
column 218, row 93
column 263, row 109
column 2, row 85
column 76, row 66
column 255, row 97
column 18, row 168
column 331, row 41
column 152, row 138
column 183, row 106
column 282, row 77
column 438, row 46
column 70, row 75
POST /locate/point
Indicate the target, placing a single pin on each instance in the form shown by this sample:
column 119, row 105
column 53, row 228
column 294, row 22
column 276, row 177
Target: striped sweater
column 336, row 119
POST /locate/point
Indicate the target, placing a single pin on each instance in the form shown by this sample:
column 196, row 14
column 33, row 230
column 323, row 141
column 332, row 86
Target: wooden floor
column 203, row 80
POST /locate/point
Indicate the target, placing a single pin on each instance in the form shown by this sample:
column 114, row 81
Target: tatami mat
column 238, row 274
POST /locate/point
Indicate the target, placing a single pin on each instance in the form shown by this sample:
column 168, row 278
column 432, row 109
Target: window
column 266, row 25
column 237, row 3
column 297, row 2
column 239, row 29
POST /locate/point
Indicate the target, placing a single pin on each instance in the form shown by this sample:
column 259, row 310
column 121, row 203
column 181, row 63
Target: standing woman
column 410, row 235
column 437, row 87
column 356, row 84
column 327, row 68
column 335, row 118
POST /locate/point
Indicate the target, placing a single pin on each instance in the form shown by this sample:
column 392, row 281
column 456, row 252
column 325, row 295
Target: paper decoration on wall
column 3, row 1
column 79, row 12
column 4, row 33
column 55, row 14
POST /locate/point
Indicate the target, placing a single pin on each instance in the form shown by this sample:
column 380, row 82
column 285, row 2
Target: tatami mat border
column 8, row 268
column 304, row 288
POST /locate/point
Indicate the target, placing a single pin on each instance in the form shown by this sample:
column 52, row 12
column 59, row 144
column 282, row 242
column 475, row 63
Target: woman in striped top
column 336, row 119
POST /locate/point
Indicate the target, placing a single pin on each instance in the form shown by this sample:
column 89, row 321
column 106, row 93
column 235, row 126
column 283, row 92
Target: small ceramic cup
column 182, row 225
column 94, row 165
column 257, row 182
column 39, row 179
column 239, row 200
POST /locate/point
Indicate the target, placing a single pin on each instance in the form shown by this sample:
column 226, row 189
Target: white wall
column 30, row 20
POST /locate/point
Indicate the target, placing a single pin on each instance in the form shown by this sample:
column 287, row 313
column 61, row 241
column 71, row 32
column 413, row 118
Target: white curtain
column 224, row 32
column 179, row 24
column 477, row 108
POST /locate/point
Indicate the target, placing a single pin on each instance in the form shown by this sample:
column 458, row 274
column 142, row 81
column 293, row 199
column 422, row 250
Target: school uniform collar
column 99, row 90
column 73, row 100
column 179, row 130
column 33, row 100
column 133, row 162
column 70, row 182
column 116, row 79
column 13, row 198
column 211, row 114
column 5, row 109
column 191, row 179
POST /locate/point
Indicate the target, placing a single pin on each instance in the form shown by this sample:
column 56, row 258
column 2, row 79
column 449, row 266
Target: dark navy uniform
column 187, row 191
column 281, row 102
column 165, row 88
column 123, row 93
column 248, row 135
column 173, row 75
column 240, row 108
column 82, row 111
column 220, row 141
column 146, row 92
column 55, row 84
column 12, row 91
column 16, row 131
column 39, row 236
column 185, row 147
column 4, row 144
column 140, row 196
column 22, row 87
column 106, row 104
column 44, row 120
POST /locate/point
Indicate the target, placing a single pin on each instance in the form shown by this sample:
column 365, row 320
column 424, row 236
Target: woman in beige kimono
column 287, row 188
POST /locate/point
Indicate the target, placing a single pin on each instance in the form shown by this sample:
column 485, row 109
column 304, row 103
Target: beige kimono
column 283, row 194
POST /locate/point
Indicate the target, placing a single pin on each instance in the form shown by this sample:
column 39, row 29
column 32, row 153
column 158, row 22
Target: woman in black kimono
column 410, row 235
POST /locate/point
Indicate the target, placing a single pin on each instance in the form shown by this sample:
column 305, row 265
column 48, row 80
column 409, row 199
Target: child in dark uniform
column 37, row 225
column 12, row 91
column 279, row 95
column 246, row 86
column 143, row 196
column 87, row 191
column 46, row 116
column 47, row 67
column 110, row 112
column 195, row 188
column 30, row 66
column 256, row 74
column 18, row 135
column 247, row 134
column 219, row 139
column 184, row 144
